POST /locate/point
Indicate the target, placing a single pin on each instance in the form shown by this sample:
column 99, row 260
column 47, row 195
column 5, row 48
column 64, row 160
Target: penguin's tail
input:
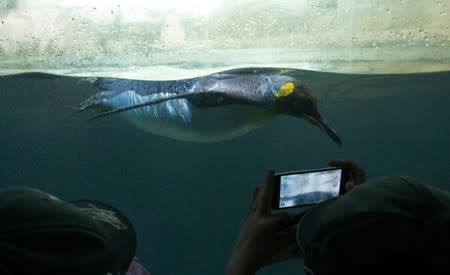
column 92, row 101
column 108, row 87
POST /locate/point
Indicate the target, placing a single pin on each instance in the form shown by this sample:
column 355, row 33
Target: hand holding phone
column 308, row 187
column 355, row 173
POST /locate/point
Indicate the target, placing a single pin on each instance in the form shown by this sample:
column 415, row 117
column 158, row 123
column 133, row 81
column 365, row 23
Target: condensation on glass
column 177, row 38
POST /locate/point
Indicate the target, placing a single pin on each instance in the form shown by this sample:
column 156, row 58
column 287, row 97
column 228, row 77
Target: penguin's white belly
column 179, row 119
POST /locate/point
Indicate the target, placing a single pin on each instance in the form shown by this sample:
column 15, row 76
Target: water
column 187, row 200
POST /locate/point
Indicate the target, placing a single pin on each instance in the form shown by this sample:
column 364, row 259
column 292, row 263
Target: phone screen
column 306, row 188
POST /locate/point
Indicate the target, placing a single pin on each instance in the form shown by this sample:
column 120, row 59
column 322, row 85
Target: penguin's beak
column 319, row 122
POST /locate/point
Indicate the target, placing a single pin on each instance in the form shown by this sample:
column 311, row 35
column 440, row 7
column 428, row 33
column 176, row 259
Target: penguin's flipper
column 143, row 104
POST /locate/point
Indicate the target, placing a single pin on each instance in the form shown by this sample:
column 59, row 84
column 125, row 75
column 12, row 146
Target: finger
column 283, row 219
column 342, row 163
column 288, row 234
column 279, row 222
column 357, row 174
column 253, row 203
column 264, row 199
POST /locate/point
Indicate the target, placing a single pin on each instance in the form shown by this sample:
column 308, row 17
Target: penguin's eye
column 285, row 89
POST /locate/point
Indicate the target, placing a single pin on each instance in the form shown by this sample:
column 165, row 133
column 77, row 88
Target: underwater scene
column 172, row 111
column 182, row 164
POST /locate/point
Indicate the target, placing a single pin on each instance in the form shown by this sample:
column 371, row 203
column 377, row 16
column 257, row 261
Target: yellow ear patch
column 285, row 89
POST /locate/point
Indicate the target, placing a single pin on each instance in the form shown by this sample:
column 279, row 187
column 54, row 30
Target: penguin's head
column 293, row 98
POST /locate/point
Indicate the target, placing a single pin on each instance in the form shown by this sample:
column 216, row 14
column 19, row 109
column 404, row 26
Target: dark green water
column 187, row 200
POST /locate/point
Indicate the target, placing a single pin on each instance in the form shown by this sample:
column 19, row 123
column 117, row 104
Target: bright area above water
column 173, row 39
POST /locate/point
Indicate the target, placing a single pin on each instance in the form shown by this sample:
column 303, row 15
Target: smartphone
column 308, row 187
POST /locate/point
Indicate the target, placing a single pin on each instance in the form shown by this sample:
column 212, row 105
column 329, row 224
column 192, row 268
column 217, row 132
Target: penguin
column 209, row 108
